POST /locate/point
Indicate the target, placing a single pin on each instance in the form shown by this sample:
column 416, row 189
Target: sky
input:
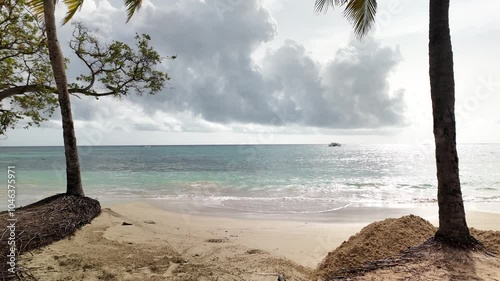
column 269, row 71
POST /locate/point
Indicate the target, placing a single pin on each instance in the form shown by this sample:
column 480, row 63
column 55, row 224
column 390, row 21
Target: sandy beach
column 142, row 241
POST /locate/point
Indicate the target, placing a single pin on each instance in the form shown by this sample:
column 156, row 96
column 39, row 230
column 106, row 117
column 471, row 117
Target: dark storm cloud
column 349, row 92
column 214, row 75
column 215, row 78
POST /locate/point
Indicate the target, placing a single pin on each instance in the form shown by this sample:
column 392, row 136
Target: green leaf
column 361, row 13
column 73, row 6
column 132, row 6
column 324, row 5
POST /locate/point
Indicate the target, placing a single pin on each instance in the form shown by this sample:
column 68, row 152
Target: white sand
column 164, row 245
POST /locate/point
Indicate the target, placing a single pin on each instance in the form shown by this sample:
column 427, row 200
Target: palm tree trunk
column 452, row 224
column 73, row 178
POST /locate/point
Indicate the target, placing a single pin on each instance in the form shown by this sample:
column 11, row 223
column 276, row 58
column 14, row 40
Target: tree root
column 44, row 222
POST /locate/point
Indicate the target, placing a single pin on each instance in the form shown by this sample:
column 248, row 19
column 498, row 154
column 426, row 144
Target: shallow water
column 264, row 178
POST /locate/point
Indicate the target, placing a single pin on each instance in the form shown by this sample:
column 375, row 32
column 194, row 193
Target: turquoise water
column 274, row 178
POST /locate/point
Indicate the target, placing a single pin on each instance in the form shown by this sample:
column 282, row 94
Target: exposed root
column 410, row 255
column 464, row 242
column 44, row 222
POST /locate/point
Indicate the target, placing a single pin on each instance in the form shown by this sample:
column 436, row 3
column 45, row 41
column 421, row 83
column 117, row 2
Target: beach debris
column 377, row 241
column 46, row 221
column 126, row 223
column 281, row 277
column 216, row 240
column 178, row 260
column 490, row 239
column 430, row 252
column 149, row 222
column 111, row 212
column 254, row 251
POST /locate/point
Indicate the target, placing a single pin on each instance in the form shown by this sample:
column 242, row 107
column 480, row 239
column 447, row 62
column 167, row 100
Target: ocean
column 256, row 178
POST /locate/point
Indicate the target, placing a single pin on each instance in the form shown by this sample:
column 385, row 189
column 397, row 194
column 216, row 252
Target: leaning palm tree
column 453, row 228
column 46, row 8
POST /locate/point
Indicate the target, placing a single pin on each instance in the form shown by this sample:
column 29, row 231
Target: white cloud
column 216, row 81
column 235, row 74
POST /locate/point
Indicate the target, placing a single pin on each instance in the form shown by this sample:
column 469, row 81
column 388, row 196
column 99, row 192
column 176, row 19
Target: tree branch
column 19, row 90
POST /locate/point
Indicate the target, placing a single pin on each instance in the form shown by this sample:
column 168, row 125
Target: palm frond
column 361, row 14
column 73, row 7
column 132, row 6
column 323, row 5
column 37, row 8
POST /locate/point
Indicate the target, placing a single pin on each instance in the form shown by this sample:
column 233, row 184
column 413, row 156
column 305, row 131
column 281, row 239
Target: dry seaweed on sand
column 411, row 254
column 406, row 244
column 377, row 241
column 432, row 260
column 47, row 221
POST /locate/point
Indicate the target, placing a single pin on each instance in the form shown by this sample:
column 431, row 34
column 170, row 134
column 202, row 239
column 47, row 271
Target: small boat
column 334, row 144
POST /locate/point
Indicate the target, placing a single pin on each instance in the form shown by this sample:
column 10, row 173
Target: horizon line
column 243, row 144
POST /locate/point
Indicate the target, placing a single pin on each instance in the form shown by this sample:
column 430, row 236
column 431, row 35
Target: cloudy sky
column 269, row 71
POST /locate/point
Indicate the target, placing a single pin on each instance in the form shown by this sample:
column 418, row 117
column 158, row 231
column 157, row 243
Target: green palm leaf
column 361, row 13
column 37, row 8
column 323, row 5
column 75, row 5
column 132, row 6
